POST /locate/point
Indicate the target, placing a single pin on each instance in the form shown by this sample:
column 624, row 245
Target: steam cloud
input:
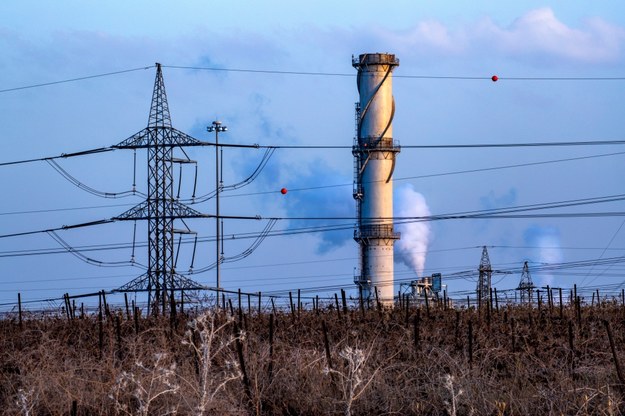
column 546, row 241
column 308, row 199
column 411, row 249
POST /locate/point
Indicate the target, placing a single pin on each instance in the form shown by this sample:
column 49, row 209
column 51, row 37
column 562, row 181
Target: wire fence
column 294, row 301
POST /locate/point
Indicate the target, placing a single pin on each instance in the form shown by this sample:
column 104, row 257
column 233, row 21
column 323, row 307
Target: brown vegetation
column 512, row 361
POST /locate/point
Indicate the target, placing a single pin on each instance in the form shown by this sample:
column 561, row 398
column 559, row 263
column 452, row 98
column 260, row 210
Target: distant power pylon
column 526, row 285
column 483, row 283
column 160, row 208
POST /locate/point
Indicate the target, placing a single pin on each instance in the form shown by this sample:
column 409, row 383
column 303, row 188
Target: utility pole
column 217, row 127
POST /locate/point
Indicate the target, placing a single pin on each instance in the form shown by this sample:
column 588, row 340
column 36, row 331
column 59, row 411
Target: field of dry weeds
column 511, row 360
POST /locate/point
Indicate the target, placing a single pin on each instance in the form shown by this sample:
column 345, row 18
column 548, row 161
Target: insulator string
column 194, row 184
column 134, row 171
column 179, row 182
column 134, row 239
column 177, row 251
column 193, row 255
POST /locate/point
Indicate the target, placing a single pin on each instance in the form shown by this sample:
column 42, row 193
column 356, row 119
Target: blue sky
column 44, row 42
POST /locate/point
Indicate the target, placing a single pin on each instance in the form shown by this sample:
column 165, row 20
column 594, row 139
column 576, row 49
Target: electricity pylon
column 526, row 285
column 160, row 208
column 483, row 283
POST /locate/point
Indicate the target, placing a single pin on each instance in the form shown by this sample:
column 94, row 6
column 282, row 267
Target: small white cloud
column 426, row 36
column 436, row 35
column 545, row 242
column 537, row 33
column 540, row 31
column 494, row 201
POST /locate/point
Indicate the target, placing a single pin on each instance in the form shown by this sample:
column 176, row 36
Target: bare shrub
column 211, row 343
column 137, row 390
column 524, row 362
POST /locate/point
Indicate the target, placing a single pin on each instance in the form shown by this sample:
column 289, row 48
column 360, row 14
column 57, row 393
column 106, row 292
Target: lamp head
column 217, row 127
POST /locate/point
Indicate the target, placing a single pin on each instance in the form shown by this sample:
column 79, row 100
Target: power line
column 300, row 263
column 519, row 165
column 548, row 267
column 401, row 220
column 112, row 195
column 61, row 156
column 42, row 211
column 417, row 146
column 316, row 74
column 333, row 185
column 262, row 71
column 44, row 84
column 48, row 230
column 504, row 145
column 450, row 276
column 441, row 146
column 558, row 247
column 506, row 212
column 408, row 76
column 509, row 212
column 438, row 146
column 433, row 175
column 604, row 251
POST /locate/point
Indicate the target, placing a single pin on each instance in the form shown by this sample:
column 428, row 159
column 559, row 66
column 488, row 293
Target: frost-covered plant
column 146, row 384
column 25, row 401
column 452, row 406
column 351, row 376
column 212, row 343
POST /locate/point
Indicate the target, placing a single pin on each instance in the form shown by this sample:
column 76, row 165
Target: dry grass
column 519, row 362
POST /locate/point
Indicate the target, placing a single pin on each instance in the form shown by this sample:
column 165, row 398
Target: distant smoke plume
column 412, row 248
column 314, row 189
column 545, row 242
column 315, row 201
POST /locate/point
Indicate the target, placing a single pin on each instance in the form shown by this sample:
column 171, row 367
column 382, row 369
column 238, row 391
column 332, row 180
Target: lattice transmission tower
column 526, row 285
column 160, row 208
column 484, row 280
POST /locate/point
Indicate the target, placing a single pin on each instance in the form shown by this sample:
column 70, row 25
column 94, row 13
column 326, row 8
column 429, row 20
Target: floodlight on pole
column 217, row 128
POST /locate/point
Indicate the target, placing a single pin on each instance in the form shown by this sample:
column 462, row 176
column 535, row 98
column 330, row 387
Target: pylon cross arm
column 168, row 137
column 145, row 211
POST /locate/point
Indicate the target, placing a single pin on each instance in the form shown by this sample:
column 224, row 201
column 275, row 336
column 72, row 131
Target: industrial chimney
column 374, row 161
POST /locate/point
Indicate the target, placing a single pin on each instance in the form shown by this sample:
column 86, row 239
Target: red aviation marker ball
column 494, row 78
column 283, row 191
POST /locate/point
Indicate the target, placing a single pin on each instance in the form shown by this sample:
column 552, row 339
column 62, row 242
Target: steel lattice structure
column 484, row 279
column 160, row 208
column 526, row 285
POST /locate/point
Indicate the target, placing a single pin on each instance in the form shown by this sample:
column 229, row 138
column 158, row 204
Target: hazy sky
column 45, row 42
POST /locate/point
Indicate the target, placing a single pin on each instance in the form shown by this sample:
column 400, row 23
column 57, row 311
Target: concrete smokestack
column 374, row 161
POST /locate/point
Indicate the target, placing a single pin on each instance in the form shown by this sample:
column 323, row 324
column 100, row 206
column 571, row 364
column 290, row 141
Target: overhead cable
column 458, row 145
column 112, row 195
column 259, row 168
column 316, row 74
column 434, row 146
column 44, row 84
column 408, row 76
column 61, row 156
column 507, row 212
column 90, row 260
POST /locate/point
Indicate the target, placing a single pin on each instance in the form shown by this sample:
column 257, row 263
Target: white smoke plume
column 546, row 244
column 412, row 248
